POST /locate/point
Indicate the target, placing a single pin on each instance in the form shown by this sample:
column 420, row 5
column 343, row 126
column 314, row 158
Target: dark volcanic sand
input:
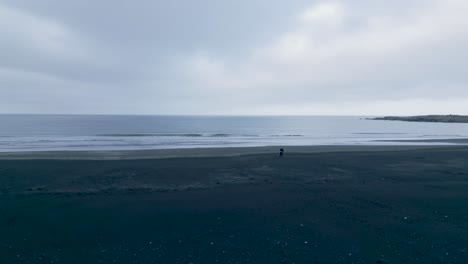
column 344, row 207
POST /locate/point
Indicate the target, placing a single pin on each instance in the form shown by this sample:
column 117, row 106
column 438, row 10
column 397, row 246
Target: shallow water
column 111, row 132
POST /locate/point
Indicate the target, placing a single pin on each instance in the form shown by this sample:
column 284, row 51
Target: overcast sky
column 361, row 57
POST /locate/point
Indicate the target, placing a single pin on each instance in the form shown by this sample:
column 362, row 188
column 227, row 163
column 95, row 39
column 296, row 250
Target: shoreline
column 219, row 152
column 456, row 141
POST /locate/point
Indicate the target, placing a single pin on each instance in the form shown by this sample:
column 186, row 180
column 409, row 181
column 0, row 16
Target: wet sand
column 194, row 152
column 335, row 205
column 463, row 141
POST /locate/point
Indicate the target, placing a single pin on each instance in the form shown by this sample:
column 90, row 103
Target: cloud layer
column 252, row 57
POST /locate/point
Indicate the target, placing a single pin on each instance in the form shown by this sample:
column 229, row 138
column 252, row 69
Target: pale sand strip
column 439, row 140
column 200, row 152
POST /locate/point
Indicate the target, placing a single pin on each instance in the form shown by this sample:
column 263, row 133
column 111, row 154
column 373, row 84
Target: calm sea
column 88, row 132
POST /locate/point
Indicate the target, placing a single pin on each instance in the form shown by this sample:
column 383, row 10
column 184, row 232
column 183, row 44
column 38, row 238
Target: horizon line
column 219, row 115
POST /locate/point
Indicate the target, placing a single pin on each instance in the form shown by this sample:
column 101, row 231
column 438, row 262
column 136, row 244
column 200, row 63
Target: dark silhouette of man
column 281, row 152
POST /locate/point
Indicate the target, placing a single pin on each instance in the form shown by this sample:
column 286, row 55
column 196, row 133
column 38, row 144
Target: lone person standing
column 281, row 153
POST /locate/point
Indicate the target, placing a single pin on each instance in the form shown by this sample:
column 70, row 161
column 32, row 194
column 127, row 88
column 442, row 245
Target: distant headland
column 426, row 118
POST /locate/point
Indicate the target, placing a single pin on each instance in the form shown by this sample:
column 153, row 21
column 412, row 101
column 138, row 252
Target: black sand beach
column 331, row 205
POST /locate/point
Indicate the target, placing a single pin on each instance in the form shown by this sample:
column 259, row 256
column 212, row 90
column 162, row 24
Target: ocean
column 114, row 132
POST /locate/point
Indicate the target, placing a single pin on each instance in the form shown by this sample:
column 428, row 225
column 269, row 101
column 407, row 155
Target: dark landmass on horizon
column 390, row 205
column 426, row 118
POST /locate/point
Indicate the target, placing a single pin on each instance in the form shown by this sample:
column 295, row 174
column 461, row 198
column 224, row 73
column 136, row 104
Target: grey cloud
column 231, row 57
